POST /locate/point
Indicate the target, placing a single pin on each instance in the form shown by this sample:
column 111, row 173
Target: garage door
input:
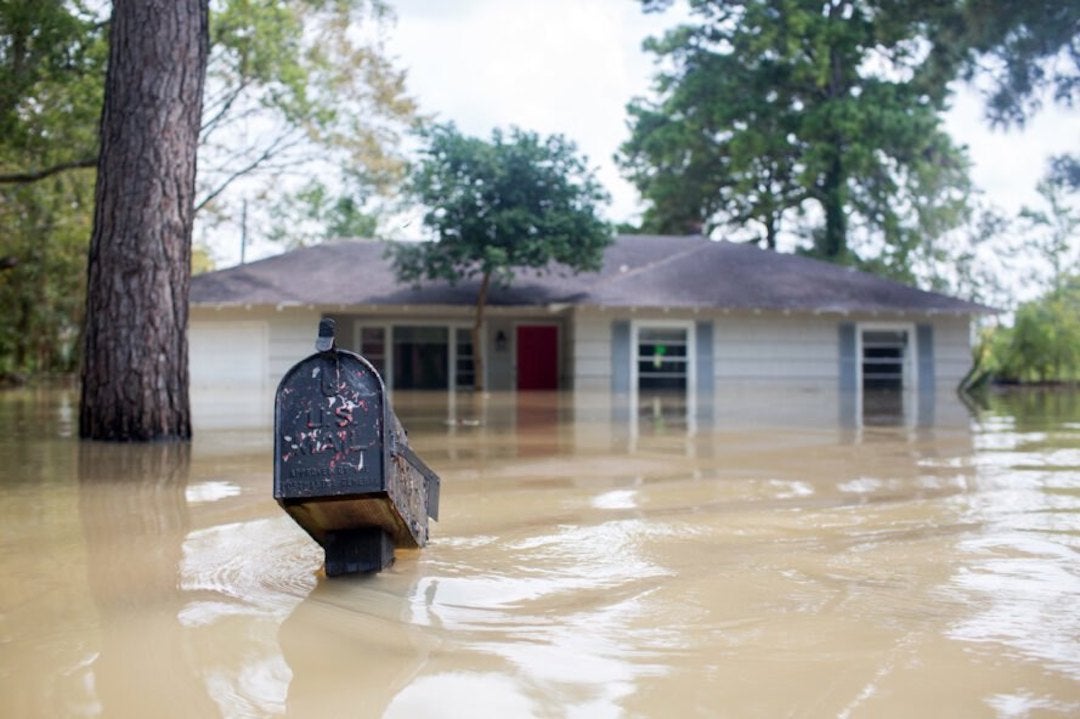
column 228, row 354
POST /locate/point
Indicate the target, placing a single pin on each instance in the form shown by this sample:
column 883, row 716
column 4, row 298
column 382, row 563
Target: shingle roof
column 638, row 271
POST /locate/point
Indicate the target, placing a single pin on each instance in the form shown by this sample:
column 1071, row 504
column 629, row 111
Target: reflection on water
column 597, row 557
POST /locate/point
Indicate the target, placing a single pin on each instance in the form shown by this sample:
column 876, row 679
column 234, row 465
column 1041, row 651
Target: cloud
column 570, row 66
column 559, row 66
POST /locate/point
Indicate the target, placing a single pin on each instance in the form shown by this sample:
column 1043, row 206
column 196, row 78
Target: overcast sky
column 570, row 66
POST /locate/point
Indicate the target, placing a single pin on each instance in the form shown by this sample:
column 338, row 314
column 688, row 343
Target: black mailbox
column 342, row 465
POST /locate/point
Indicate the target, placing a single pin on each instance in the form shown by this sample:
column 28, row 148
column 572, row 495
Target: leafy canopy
column 52, row 63
column 516, row 201
column 297, row 88
column 819, row 118
column 1043, row 345
column 1019, row 52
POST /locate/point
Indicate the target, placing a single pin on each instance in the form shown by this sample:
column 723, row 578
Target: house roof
column 638, row 271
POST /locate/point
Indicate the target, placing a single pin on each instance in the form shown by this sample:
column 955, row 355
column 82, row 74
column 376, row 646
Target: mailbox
column 343, row 468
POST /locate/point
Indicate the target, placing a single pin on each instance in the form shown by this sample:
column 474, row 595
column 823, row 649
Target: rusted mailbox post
column 342, row 464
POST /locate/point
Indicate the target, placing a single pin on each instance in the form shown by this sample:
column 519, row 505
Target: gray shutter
column 703, row 339
column 620, row 356
column 849, row 363
column 925, row 339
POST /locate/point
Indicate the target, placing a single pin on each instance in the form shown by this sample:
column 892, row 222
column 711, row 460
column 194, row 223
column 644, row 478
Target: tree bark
column 833, row 241
column 135, row 362
column 479, row 385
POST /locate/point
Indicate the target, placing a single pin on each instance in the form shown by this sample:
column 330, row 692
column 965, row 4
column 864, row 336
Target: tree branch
column 278, row 145
column 220, row 108
column 22, row 178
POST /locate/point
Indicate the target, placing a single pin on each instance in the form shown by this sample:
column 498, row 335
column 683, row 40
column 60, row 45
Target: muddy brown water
column 593, row 560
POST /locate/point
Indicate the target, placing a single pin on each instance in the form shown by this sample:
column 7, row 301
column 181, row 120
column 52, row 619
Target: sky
column 571, row 66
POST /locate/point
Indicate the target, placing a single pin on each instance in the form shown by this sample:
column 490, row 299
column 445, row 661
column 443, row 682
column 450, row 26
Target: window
column 409, row 356
column 662, row 358
column 884, row 359
column 464, row 372
column 373, row 347
column 421, row 357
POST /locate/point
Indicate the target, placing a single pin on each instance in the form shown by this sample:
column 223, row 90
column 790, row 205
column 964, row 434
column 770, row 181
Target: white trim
column 387, row 326
column 910, row 379
column 359, row 326
column 637, row 325
column 453, row 355
column 201, row 338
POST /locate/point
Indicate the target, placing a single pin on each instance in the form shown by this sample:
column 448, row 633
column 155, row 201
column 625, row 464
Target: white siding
column 501, row 370
column 292, row 338
column 228, row 353
column 590, row 350
column 248, row 349
column 952, row 351
column 769, row 348
column 228, row 345
column 764, row 349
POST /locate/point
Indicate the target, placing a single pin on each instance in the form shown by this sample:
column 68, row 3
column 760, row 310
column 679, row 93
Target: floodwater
column 592, row 560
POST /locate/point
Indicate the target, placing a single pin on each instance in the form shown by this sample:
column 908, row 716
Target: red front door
column 537, row 357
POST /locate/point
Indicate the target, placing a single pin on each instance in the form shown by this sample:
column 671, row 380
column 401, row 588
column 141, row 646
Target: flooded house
column 679, row 315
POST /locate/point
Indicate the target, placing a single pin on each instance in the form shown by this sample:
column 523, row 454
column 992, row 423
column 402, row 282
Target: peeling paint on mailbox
column 343, row 469
column 331, row 428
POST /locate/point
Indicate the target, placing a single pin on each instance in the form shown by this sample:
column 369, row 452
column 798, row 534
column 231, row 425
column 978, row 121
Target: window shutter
column 925, row 338
column 849, row 363
column 620, row 356
column 703, row 342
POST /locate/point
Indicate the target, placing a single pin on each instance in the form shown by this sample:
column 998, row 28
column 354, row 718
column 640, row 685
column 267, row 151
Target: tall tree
column 52, row 62
column 299, row 88
column 798, row 111
column 1053, row 230
column 1043, row 345
column 302, row 87
column 283, row 78
column 135, row 374
column 518, row 201
column 1020, row 52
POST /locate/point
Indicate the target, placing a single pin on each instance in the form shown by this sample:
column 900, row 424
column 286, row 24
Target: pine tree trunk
column 833, row 241
column 479, row 365
column 135, row 373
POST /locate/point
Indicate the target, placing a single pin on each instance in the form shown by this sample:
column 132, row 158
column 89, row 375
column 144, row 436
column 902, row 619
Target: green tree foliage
column 1019, row 54
column 52, row 60
column 315, row 213
column 1043, row 345
column 1064, row 172
column 301, row 87
column 517, row 201
column 1053, row 230
column 1018, row 51
column 45, row 227
column 813, row 117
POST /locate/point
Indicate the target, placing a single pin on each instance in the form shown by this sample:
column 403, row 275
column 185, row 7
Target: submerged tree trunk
column 135, row 373
column 479, row 384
